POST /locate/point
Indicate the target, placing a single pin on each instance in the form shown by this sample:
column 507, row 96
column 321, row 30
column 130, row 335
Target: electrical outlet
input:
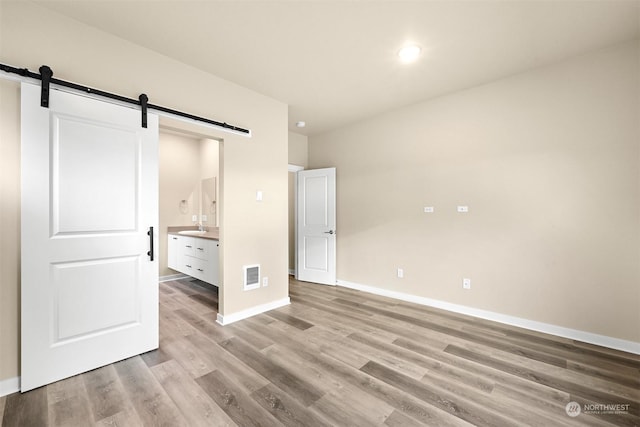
column 265, row 282
column 466, row 283
column 400, row 273
column 203, row 218
column 194, row 218
column 428, row 209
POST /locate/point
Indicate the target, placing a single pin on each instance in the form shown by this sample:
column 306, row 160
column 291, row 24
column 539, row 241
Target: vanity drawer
column 205, row 272
column 199, row 269
column 203, row 248
column 191, row 265
column 187, row 246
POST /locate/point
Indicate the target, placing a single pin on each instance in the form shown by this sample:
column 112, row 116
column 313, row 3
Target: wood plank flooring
column 338, row 357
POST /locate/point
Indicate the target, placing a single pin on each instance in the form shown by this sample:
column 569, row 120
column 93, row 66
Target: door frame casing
column 295, row 169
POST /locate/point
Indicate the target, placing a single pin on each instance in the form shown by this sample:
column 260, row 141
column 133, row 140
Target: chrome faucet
column 201, row 227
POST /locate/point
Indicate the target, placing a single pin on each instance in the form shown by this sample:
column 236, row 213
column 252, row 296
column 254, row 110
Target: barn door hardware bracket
column 46, row 73
column 143, row 106
column 46, row 76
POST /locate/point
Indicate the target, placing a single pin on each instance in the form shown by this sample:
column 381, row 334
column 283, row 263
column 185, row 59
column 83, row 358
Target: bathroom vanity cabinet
column 194, row 256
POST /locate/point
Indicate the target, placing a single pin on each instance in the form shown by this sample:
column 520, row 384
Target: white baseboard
column 173, row 277
column 292, row 272
column 234, row 317
column 10, row 385
column 588, row 337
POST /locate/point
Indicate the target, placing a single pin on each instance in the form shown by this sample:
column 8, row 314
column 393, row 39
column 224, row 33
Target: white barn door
column 316, row 228
column 89, row 198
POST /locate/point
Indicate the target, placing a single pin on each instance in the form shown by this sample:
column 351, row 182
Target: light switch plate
column 194, row 218
column 428, row 209
column 463, row 209
column 259, row 196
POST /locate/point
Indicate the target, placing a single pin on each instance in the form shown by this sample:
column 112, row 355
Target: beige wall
column 298, row 149
column 209, row 158
column 31, row 36
column 548, row 163
column 9, row 228
column 298, row 156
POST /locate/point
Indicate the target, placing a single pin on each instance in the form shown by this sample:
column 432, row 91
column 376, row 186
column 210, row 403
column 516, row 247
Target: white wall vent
column 251, row 276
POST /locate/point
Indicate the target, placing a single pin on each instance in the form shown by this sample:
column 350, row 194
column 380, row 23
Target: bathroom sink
column 192, row 232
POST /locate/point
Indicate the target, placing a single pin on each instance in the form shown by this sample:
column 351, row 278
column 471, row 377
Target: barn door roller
column 46, row 73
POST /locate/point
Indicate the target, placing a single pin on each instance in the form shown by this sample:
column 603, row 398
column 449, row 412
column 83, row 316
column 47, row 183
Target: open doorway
column 189, row 175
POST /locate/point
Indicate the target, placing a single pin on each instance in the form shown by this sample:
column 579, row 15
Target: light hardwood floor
column 338, row 357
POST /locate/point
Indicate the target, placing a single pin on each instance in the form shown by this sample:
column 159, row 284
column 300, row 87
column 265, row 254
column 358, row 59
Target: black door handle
column 150, row 234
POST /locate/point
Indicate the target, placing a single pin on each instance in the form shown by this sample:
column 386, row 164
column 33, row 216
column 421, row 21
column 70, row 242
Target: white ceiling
column 335, row 62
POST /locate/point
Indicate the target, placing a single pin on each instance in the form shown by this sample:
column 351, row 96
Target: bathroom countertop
column 213, row 233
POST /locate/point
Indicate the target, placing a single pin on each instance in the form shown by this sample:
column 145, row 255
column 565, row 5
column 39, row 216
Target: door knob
column 328, row 232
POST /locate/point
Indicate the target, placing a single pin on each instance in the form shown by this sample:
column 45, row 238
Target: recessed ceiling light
column 300, row 124
column 409, row 53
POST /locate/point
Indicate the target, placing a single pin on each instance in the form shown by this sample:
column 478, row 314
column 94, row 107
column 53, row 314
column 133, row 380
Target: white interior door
column 316, row 240
column 89, row 196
